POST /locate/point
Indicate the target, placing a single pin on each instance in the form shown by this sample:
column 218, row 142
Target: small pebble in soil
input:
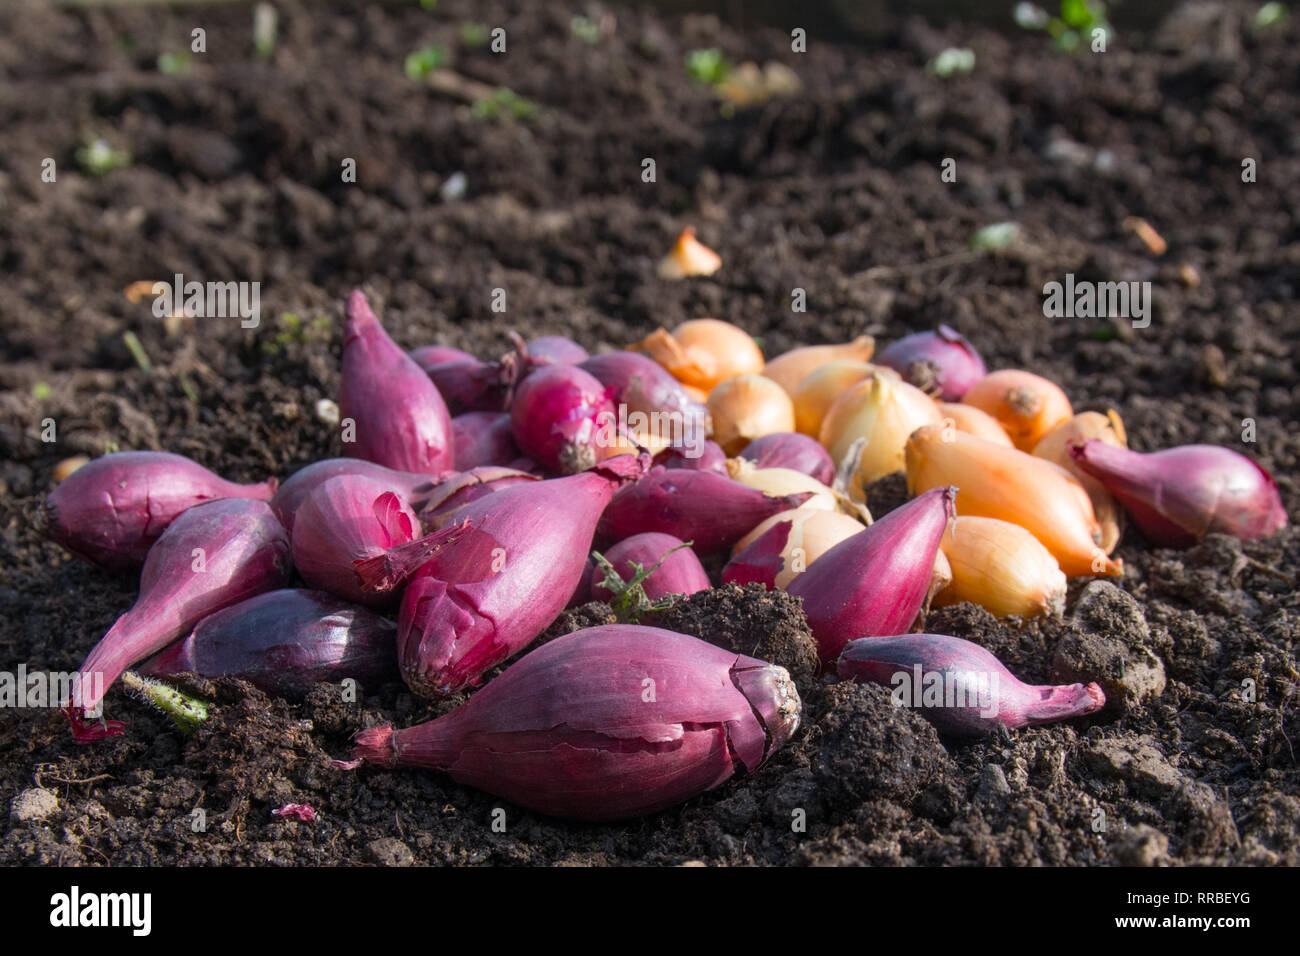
column 33, row 805
column 390, row 851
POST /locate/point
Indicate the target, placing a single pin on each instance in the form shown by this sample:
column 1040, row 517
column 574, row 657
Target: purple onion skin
column 559, row 415
column 284, row 642
column 712, row 511
column 761, row 560
column 401, row 421
column 680, row 572
column 711, row 457
column 794, row 451
column 941, row 359
column 605, row 723
column 244, row 551
column 411, row 488
column 346, row 519
column 554, row 350
column 875, row 582
column 643, row 385
column 430, row 355
column 110, row 511
column 469, row 385
column 483, row 438
column 959, row 686
column 461, row 489
column 503, row 582
column 1179, row 495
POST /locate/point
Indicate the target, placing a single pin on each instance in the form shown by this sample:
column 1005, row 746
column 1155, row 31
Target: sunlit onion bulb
column 1028, row 406
column 747, row 407
column 884, row 410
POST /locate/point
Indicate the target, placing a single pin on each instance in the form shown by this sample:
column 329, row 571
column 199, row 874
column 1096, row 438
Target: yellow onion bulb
column 813, row 532
column 998, row 482
column 747, row 407
column 704, row 352
column 819, row 389
column 972, row 421
column 791, row 368
column 1001, row 567
column 779, row 482
column 1027, row 406
column 883, row 410
column 1055, row 447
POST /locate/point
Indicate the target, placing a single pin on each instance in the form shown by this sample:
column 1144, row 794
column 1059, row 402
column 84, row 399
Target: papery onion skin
column 412, row 488
column 110, row 511
column 941, row 363
column 1179, row 495
column 767, row 555
column 643, row 719
column 504, row 580
column 973, row 693
column 707, row 508
column 1001, row 567
column 973, row 421
column 998, row 482
column 792, row 367
column 794, row 451
column 483, row 438
column 876, row 581
column 399, row 418
column 1026, row 405
column 679, row 573
column 560, row 416
column 285, row 641
column 460, row 489
column 212, row 556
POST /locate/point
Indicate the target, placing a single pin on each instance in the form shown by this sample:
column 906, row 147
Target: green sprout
column 630, row 600
column 97, row 158
column 473, row 34
column 1077, row 20
column 132, row 343
column 265, row 27
column 999, row 235
column 1270, row 16
column 423, row 62
column 184, row 711
column 174, row 64
column 585, row 29
column 503, row 102
column 41, row 391
column 709, row 66
column 952, row 61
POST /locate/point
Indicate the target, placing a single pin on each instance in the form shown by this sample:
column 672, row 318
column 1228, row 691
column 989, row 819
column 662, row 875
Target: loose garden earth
column 235, row 174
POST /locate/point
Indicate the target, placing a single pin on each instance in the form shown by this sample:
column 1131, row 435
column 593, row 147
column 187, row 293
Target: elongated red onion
column 483, row 438
column 468, row 486
column 285, row 641
column 212, row 556
column 876, row 581
column 356, row 539
column 502, row 583
column 794, row 451
column 679, row 573
column 468, row 385
column 941, row 362
column 645, row 386
column 414, row 489
column 563, row 419
column 554, row 350
column 110, row 511
column 707, row 456
column 400, row 420
column 605, row 723
column 959, row 686
column 761, row 560
column 1179, row 495
column 709, row 509
column 428, row 355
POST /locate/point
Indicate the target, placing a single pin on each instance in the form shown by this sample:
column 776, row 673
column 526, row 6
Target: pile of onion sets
column 475, row 499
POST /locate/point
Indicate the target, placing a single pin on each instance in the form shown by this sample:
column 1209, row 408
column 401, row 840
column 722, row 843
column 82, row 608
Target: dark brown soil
column 236, row 176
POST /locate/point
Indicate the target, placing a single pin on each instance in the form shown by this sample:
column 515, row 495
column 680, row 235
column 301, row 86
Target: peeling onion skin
column 110, row 511
column 605, row 723
column 412, row 488
column 401, row 421
column 986, row 695
column 489, row 594
column 466, row 487
column 284, row 642
column 679, row 573
column 1179, row 495
column 243, row 551
column 876, row 581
